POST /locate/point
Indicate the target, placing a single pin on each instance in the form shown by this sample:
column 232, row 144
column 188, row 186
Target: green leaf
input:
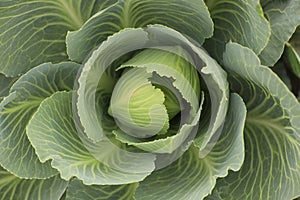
column 17, row 154
column 174, row 64
column 271, row 169
column 188, row 17
column 171, row 62
column 137, row 106
column 239, row 21
column 284, row 17
column 78, row 191
column 295, row 40
column 33, row 32
column 293, row 59
column 93, row 71
column 102, row 4
column 57, row 139
column 193, row 178
column 210, row 71
column 168, row 144
column 14, row 188
column 5, row 84
column 46, row 79
column 280, row 69
column 216, row 81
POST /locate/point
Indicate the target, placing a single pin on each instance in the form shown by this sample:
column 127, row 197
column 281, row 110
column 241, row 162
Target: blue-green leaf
column 17, row 154
column 5, row 84
column 14, row 188
column 271, row 169
column 101, row 5
column 239, row 21
column 33, row 32
column 78, row 191
column 188, row 17
column 193, row 178
column 57, row 139
column 284, row 17
column 292, row 58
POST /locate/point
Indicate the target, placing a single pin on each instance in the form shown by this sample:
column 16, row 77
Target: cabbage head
column 149, row 99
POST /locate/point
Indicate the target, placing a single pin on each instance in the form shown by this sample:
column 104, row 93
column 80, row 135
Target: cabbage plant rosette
column 147, row 100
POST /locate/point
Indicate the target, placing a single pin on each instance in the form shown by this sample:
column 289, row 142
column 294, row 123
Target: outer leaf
column 240, row 21
column 14, row 188
column 272, row 164
column 5, row 84
column 57, row 139
column 293, row 59
column 280, row 69
column 17, row 154
column 295, row 40
column 193, row 178
column 284, row 17
column 78, row 191
column 188, row 17
column 93, row 70
column 33, row 32
column 102, row 4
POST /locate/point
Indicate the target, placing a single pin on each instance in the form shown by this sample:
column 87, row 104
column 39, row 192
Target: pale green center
column 149, row 92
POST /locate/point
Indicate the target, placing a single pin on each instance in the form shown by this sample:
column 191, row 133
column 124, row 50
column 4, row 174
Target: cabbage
column 152, row 99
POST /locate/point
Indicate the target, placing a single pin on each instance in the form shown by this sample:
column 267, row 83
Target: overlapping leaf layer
column 153, row 99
